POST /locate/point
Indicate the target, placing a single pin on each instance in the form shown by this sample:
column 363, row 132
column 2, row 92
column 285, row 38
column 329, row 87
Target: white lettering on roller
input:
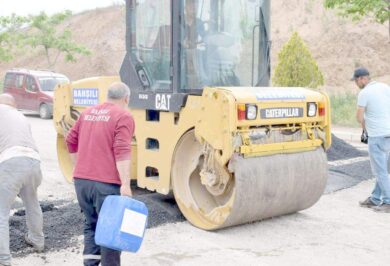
column 163, row 101
column 133, row 223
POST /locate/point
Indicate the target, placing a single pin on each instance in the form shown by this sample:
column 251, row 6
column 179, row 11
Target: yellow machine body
column 204, row 151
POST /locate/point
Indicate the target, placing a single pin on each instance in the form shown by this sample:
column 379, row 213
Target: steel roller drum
column 261, row 187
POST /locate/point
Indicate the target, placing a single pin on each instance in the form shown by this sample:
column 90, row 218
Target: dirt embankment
column 101, row 30
column 337, row 44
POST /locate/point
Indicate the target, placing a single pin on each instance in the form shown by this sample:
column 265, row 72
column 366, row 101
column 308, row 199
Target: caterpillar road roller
column 208, row 127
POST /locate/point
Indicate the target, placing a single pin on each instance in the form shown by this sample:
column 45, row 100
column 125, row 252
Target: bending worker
column 20, row 174
column 100, row 145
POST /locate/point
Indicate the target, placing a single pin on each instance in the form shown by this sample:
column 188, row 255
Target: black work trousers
column 91, row 195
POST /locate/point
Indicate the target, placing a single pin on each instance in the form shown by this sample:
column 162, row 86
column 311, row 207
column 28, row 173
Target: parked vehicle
column 33, row 90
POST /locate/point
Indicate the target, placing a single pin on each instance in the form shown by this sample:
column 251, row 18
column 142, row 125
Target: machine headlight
column 311, row 109
column 251, row 112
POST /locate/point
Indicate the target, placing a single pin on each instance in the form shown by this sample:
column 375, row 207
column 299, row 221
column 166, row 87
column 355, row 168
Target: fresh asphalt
column 63, row 221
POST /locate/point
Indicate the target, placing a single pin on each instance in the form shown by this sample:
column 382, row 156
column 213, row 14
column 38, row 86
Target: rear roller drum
column 259, row 188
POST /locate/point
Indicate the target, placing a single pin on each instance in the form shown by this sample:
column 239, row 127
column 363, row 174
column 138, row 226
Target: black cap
column 360, row 72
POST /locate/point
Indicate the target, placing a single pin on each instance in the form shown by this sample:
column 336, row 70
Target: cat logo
column 163, row 101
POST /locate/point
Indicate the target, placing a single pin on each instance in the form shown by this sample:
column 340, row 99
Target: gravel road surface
column 334, row 231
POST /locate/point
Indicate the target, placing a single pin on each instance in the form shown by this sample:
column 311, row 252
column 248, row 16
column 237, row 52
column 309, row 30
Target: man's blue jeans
column 379, row 149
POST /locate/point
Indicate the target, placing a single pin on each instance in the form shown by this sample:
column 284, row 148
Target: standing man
column 20, row 174
column 373, row 113
column 100, row 143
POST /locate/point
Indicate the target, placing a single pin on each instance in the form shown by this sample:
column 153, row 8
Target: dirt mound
column 341, row 150
column 100, row 30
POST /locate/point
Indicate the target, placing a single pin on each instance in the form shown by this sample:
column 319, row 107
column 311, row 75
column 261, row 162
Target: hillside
column 337, row 44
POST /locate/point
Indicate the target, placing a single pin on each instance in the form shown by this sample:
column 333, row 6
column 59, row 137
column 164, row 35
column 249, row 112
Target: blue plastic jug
column 121, row 224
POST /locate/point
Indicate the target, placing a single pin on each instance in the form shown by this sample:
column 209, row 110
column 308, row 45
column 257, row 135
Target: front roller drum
column 259, row 188
column 64, row 160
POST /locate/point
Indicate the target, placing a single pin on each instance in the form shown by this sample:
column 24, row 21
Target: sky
column 33, row 7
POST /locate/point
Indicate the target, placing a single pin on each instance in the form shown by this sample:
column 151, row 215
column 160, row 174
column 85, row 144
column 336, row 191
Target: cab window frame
column 135, row 57
column 20, row 83
column 9, row 80
column 34, row 82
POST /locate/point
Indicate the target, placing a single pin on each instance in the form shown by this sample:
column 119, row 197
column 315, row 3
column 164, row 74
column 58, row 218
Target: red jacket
column 101, row 137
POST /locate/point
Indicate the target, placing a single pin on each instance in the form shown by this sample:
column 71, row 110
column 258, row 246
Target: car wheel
column 44, row 111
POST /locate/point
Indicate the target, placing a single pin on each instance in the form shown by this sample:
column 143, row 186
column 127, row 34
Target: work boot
column 382, row 208
column 37, row 248
column 367, row 203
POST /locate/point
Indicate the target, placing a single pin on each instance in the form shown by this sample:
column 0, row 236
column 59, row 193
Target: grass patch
column 343, row 109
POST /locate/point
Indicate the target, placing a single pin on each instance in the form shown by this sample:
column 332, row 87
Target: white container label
column 133, row 223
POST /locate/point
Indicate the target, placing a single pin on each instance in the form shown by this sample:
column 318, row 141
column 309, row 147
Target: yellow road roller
column 208, row 127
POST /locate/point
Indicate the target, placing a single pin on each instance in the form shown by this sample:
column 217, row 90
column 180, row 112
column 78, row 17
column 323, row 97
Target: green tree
column 45, row 33
column 296, row 66
column 356, row 9
column 11, row 35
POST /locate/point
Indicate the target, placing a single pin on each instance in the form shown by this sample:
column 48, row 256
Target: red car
column 33, row 90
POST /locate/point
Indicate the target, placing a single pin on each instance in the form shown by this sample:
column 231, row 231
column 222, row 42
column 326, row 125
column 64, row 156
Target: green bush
column 296, row 66
column 343, row 108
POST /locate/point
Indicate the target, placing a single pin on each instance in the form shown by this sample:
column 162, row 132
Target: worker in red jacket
column 100, row 145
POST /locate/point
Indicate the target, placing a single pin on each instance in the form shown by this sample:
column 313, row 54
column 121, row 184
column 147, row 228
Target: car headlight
column 251, row 112
column 311, row 109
